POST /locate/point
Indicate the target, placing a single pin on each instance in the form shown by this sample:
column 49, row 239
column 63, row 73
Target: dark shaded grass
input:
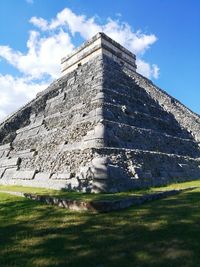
column 160, row 233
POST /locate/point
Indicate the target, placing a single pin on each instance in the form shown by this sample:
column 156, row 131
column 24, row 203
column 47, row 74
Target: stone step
column 24, row 175
column 70, row 101
column 27, row 153
column 126, row 136
column 31, row 126
column 127, row 115
column 139, row 104
column 9, row 162
column 5, row 150
column 5, row 147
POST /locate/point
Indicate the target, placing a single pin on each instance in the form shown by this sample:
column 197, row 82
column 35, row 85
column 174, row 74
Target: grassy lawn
column 160, row 233
column 88, row 197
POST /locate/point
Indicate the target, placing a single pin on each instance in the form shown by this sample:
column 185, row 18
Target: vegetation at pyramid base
column 102, row 196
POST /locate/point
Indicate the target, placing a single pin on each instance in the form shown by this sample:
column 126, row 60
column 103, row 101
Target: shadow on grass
column 160, row 233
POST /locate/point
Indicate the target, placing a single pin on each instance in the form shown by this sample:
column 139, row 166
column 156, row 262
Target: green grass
column 160, row 233
column 102, row 196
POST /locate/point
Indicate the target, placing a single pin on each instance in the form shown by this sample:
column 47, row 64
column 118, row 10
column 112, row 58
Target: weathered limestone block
column 8, row 174
column 97, row 133
column 62, row 176
column 70, row 147
column 24, row 175
column 9, row 163
column 43, row 176
column 39, row 119
column 27, row 153
column 95, row 138
column 100, row 168
column 99, row 97
column 59, row 97
column 5, row 150
column 5, row 147
column 31, row 126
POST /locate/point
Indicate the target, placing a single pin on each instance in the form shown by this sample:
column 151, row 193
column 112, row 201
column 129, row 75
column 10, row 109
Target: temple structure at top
column 98, row 45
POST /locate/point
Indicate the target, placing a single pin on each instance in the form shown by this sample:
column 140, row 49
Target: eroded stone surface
column 100, row 127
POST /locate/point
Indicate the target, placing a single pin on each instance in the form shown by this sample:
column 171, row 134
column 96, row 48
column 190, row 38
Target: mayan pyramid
column 100, row 127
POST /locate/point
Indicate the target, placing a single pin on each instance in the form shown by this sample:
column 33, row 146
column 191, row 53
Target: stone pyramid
column 100, row 127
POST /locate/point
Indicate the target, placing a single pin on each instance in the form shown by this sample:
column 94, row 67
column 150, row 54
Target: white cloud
column 39, row 22
column 15, row 92
column 137, row 42
column 54, row 39
column 155, row 71
column 76, row 23
column 43, row 56
column 146, row 69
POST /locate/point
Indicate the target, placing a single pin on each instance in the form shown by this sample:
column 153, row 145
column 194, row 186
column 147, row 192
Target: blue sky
column 35, row 34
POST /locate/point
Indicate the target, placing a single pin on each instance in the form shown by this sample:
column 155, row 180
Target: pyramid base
column 112, row 170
